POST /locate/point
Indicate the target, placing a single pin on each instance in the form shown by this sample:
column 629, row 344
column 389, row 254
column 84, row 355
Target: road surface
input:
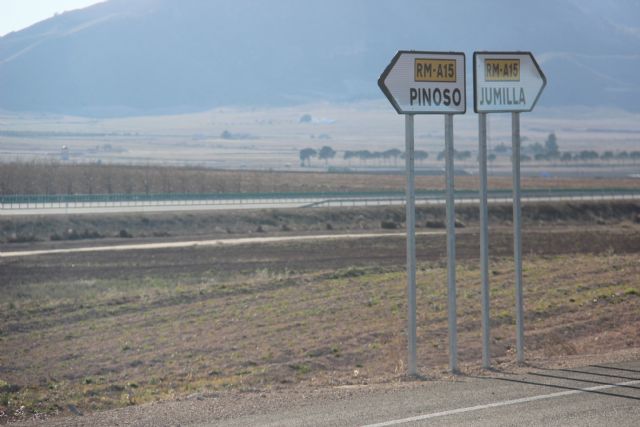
column 592, row 395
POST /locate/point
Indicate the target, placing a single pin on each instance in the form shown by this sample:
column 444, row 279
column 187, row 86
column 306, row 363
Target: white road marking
column 499, row 404
column 203, row 243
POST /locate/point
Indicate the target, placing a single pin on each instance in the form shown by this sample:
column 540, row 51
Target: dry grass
column 57, row 178
column 99, row 344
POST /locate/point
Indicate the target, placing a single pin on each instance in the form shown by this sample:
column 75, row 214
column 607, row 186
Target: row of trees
column 327, row 153
column 394, row 155
column 550, row 151
column 547, row 151
column 585, row 156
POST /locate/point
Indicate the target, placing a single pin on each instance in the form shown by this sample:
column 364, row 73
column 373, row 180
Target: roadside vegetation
column 84, row 345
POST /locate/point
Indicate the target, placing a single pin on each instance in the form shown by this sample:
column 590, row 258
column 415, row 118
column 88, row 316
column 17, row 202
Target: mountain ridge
column 125, row 57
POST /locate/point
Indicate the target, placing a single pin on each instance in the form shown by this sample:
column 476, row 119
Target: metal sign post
column 427, row 83
column 503, row 82
column 411, row 241
column 517, row 234
column 484, row 240
column 451, row 244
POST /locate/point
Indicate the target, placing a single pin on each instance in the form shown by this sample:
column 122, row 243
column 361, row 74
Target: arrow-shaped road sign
column 426, row 82
column 506, row 82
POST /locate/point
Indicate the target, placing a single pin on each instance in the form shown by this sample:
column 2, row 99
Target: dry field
column 265, row 139
column 57, row 178
column 85, row 332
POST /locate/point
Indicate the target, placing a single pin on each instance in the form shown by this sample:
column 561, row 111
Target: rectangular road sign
column 426, row 82
column 506, row 82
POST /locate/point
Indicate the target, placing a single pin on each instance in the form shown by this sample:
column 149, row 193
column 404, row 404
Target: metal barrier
column 70, row 201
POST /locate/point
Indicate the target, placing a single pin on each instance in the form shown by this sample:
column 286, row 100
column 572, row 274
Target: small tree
column 326, row 153
column 392, row 153
column 607, row 156
column 587, row 155
column 364, row 155
column 305, row 156
column 420, row 155
column 551, row 145
column 457, row 155
column 348, row 155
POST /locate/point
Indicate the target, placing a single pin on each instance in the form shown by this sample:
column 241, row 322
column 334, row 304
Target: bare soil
column 91, row 331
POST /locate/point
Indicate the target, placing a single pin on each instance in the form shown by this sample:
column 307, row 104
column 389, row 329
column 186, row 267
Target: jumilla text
column 437, row 97
column 502, row 96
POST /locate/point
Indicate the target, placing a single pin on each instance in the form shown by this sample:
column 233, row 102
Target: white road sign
column 506, row 82
column 426, row 82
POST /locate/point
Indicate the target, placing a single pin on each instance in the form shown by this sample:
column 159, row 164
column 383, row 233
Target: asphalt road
column 593, row 395
column 600, row 396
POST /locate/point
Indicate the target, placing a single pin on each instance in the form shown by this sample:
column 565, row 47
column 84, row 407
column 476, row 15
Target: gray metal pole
column 451, row 243
column 411, row 242
column 484, row 240
column 517, row 234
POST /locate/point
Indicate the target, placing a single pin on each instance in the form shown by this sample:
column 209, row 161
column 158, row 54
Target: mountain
column 154, row 56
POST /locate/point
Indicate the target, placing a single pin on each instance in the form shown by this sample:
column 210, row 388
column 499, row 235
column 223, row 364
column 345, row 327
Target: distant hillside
column 153, row 56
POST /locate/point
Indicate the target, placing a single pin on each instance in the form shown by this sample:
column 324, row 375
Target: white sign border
column 475, row 80
column 389, row 67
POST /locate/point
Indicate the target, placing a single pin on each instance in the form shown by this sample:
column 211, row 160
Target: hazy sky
column 18, row 14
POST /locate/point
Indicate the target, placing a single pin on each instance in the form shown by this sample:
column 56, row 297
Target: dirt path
column 215, row 242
